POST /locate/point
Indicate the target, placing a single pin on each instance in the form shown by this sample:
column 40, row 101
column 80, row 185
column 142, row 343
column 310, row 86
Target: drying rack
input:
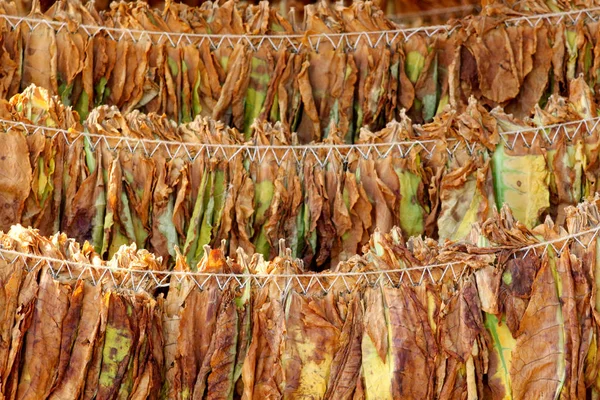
column 296, row 42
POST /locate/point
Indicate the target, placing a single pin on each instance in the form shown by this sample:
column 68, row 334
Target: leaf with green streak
column 252, row 109
column 377, row 372
column 359, row 115
column 415, row 62
column 296, row 118
column 262, row 243
column 588, row 59
column 571, row 42
column 219, row 195
column 576, row 159
column 430, row 100
column 444, row 101
column 121, row 239
column 274, row 114
column 98, row 222
column 101, row 89
column 139, row 231
column 191, row 241
column 205, row 230
column 167, row 228
column 100, row 201
column 418, row 106
column 118, row 240
column 118, row 343
column 224, row 62
column 276, row 28
column 64, row 91
column 186, row 113
column 173, row 67
column 256, row 93
column 109, row 221
column 212, row 213
column 503, row 344
column 243, row 303
column 521, row 182
column 127, row 384
column 90, row 159
column 411, row 212
column 196, row 106
column 106, row 95
column 45, row 185
column 83, row 106
column 463, row 204
column 263, row 195
column 126, row 218
column 297, row 244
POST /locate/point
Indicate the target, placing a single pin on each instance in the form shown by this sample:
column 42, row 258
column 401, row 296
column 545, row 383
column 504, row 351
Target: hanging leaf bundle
column 307, row 83
column 141, row 178
column 474, row 324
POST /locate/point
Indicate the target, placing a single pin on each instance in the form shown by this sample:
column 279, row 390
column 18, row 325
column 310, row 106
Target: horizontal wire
column 320, row 152
column 317, row 146
column 225, row 275
column 565, row 239
column 296, row 41
column 167, row 278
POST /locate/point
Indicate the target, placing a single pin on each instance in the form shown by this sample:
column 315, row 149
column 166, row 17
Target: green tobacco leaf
column 83, row 106
column 196, row 106
column 412, row 221
column 191, row 241
column 256, row 93
column 263, row 194
column 101, row 90
column 415, row 62
column 118, row 343
column 500, row 360
column 522, row 183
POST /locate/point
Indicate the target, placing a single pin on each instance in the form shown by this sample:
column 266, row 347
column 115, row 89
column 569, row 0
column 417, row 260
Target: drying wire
column 295, row 42
column 322, row 153
column 229, row 152
column 139, row 279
